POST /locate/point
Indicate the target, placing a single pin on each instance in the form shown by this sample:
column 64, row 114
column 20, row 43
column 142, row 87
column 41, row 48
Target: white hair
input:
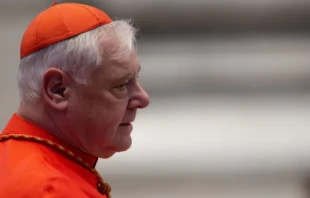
column 77, row 56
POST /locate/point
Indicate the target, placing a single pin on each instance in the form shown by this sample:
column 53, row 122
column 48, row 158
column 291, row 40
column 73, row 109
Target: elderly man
column 79, row 88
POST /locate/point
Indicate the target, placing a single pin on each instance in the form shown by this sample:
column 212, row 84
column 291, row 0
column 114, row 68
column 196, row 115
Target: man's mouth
column 125, row 124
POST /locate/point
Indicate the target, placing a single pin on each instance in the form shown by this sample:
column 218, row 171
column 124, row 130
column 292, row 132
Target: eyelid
column 128, row 80
column 122, row 86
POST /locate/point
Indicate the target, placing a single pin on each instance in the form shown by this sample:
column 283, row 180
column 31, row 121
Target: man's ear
column 55, row 88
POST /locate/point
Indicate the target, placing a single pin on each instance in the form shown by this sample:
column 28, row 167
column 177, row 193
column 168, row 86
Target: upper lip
column 127, row 122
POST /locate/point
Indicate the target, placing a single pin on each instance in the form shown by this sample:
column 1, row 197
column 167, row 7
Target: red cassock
column 36, row 164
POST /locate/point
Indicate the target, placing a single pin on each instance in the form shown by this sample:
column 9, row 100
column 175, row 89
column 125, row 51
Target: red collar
column 18, row 125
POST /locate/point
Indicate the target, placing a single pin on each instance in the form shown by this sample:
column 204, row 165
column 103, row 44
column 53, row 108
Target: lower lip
column 128, row 127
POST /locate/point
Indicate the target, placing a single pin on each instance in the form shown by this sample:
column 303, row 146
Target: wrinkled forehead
column 111, row 69
column 129, row 67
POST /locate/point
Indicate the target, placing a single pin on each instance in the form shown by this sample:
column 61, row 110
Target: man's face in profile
column 103, row 111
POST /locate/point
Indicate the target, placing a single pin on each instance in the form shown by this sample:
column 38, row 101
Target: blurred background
column 229, row 83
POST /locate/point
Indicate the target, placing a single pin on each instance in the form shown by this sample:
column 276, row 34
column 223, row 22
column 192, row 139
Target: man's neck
column 38, row 114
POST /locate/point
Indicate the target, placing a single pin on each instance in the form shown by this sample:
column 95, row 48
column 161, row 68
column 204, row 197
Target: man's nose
column 139, row 99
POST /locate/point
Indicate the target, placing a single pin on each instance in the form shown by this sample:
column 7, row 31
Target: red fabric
column 31, row 170
column 58, row 23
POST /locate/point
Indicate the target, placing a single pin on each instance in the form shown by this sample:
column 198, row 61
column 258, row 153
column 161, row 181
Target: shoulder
column 40, row 185
column 31, row 176
column 32, row 170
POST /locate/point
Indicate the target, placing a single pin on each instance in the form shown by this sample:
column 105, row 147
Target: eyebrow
column 127, row 76
column 124, row 77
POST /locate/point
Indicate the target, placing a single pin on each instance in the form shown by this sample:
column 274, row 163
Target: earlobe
column 55, row 89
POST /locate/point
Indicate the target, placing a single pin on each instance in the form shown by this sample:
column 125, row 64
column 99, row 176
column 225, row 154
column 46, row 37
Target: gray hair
column 77, row 56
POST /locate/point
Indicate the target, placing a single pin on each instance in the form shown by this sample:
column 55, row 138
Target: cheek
column 79, row 110
column 100, row 121
column 111, row 114
column 102, row 112
column 104, row 125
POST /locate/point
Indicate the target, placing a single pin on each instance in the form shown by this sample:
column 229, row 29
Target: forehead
column 131, row 65
column 114, row 69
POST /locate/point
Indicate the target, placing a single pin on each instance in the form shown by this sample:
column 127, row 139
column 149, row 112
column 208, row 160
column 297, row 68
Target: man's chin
column 123, row 148
column 106, row 155
column 112, row 150
column 123, row 144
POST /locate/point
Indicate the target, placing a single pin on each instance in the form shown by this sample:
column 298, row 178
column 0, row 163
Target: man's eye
column 122, row 86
